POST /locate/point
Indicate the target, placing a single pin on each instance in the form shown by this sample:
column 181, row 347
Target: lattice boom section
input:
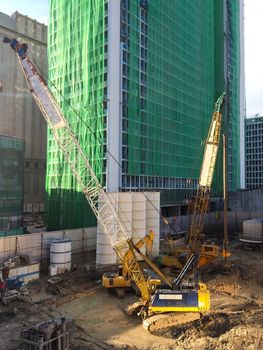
column 90, row 186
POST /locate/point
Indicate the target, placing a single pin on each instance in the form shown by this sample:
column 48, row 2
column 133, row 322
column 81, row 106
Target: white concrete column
column 114, row 97
column 242, row 96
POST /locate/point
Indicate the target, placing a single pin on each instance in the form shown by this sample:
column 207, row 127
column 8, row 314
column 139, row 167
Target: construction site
column 125, row 220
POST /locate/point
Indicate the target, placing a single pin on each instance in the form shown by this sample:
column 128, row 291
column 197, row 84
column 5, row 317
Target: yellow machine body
column 114, row 280
column 181, row 300
column 209, row 252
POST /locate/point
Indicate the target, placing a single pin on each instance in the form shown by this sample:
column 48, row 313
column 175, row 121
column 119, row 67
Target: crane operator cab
column 21, row 49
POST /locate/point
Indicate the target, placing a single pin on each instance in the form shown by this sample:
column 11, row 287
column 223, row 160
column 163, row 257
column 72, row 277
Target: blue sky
column 254, row 55
column 38, row 9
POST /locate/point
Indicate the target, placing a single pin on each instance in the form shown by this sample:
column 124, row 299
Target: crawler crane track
column 161, row 322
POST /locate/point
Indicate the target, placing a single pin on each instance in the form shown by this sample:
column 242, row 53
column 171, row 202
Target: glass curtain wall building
column 137, row 80
column 254, row 152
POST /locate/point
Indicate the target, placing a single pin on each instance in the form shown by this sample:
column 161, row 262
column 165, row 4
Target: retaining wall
column 36, row 245
column 214, row 221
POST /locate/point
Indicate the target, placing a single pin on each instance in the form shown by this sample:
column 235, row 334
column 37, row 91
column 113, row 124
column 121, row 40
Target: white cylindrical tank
column 153, row 218
column 138, row 219
column 105, row 255
column 137, row 216
column 60, row 254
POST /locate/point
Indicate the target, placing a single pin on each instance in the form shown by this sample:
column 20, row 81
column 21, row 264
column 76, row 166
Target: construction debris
column 56, row 288
column 9, row 296
column 51, row 334
column 234, row 322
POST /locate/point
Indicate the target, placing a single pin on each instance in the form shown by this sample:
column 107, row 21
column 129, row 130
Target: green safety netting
column 11, row 183
column 233, row 81
column 179, row 87
column 76, row 72
column 185, row 76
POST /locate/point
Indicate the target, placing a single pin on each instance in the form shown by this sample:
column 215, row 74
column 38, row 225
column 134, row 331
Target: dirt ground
column 234, row 322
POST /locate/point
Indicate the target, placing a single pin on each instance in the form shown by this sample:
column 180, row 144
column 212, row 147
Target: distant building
column 254, row 152
column 19, row 115
column 144, row 76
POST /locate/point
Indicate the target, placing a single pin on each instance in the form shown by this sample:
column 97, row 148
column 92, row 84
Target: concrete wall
column 246, row 200
column 242, row 205
column 19, row 114
column 213, row 223
column 36, row 245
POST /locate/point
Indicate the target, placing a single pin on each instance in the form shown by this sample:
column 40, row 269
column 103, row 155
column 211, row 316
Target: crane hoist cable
column 165, row 219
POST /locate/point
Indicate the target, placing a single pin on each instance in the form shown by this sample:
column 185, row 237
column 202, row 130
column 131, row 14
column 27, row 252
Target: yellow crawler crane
column 173, row 297
column 120, row 281
column 195, row 241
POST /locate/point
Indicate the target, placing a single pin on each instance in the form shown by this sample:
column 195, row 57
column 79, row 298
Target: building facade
column 19, row 115
column 138, row 81
column 11, row 185
column 254, row 152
